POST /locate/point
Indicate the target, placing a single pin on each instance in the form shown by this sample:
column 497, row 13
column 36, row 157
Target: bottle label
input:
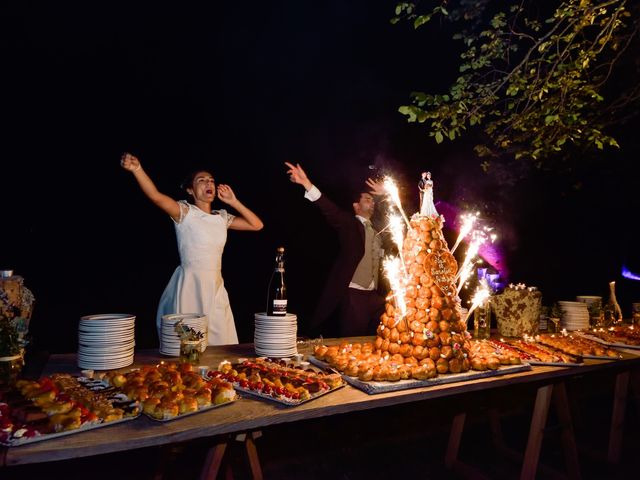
column 279, row 307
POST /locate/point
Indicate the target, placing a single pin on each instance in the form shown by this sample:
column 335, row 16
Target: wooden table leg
column 617, row 418
column 536, row 432
column 252, row 453
column 216, row 453
column 634, row 385
column 496, row 429
column 455, row 436
column 561, row 401
column 213, row 461
column 166, row 456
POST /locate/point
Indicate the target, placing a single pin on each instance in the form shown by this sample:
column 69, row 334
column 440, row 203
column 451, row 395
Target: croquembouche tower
column 423, row 318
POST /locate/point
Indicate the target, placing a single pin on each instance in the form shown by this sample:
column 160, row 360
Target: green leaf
column 439, row 137
column 409, row 111
column 421, row 20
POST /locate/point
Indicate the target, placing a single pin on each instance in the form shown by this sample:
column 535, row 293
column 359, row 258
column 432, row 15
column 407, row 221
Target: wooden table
column 249, row 414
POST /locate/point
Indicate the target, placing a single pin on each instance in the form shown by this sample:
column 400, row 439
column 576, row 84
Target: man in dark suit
column 351, row 287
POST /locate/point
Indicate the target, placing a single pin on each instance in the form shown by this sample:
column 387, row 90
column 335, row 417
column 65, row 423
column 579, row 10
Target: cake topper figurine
column 425, row 185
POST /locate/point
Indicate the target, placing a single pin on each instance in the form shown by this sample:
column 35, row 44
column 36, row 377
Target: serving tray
column 14, row 442
column 131, row 408
column 381, row 387
column 283, row 371
column 532, row 360
column 616, row 345
column 182, row 415
column 555, row 364
column 290, row 402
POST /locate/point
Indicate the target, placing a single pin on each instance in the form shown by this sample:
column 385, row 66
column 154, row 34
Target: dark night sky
column 239, row 88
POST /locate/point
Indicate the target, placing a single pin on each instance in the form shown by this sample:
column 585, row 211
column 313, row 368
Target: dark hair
column 187, row 182
column 355, row 195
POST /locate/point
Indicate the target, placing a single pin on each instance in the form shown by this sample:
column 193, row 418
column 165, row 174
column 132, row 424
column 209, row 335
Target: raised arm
column 335, row 216
column 246, row 219
column 164, row 202
column 376, row 186
column 297, row 175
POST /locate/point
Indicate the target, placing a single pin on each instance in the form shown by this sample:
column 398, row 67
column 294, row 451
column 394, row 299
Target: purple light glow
column 491, row 253
column 626, row 273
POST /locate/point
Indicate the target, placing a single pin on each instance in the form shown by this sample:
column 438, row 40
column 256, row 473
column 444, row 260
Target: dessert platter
column 58, row 405
column 625, row 336
column 536, row 353
column 372, row 372
column 576, row 344
column 171, row 390
column 277, row 380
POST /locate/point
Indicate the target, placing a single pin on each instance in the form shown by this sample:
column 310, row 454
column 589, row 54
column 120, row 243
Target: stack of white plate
column 106, row 341
column 575, row 315
column 169, row 338
column 275, row 336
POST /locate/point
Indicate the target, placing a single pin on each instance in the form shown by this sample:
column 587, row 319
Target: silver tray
column 556, row 364
column 381, row 387
column 94, row 386
column 609, row 344
column 49, row 436
column 101, row 385
column 182, row 415
column 289, row 402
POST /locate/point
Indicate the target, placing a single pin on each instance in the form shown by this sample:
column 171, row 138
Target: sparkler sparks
column 478, row 238
column 392, row 191
column 482, row 293
column 397, row 234
column 392, row 270
column 467, row 224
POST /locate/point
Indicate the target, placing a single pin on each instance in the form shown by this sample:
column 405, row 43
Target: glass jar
column 190, row 351
column 482, row 321
column 10, row 368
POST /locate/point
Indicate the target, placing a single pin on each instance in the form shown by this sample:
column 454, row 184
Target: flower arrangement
column 187, row 333
column 190, row 342
column 555, row 311
column 11, row 352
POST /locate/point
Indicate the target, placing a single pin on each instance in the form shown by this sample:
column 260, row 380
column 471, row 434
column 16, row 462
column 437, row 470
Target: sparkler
column 392, row 270
column 392, row 191
column 482, row 293
column 397, row 235
column 467, row 263
column 478, row 238
column 467, row 224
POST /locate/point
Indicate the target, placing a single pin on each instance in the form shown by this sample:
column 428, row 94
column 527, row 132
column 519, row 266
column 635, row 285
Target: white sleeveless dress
column 197, row 286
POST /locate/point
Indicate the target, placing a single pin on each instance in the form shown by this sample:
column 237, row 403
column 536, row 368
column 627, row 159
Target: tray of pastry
column 283, row 382
column 624, row 336
column 56, row 406
column 577, row 344
column 373, row 387
column 171, row 390
column 536, row 353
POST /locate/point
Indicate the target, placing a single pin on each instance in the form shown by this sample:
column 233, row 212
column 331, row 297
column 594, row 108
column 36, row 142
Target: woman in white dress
column 197, row 284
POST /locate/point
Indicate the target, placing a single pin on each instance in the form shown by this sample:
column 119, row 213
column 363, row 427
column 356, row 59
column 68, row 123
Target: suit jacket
column 351, row 237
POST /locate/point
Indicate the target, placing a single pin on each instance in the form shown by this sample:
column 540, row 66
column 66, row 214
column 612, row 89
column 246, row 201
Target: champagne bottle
column 277, row 293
